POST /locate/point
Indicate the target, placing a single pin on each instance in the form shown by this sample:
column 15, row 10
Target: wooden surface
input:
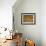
column 8, row 43
column 16, row 41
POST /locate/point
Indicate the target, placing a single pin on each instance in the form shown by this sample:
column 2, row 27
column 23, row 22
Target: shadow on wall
column 16, row 22
column 17, row 4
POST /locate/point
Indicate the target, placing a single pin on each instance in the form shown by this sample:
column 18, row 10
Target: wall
column 6, row 16
column 43, row 22
column 6, row 13
column 29, row 31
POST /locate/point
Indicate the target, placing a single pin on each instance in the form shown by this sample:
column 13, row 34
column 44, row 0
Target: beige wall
column 43, row 22
column 30, row 31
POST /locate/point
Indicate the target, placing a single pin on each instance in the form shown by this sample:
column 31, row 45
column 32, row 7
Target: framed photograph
column 28, row 18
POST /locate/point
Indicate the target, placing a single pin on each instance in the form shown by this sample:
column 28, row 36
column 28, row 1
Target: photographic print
column 28, row 18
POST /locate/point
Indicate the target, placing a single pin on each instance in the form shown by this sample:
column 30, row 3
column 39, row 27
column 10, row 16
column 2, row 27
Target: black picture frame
column 28, row 18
